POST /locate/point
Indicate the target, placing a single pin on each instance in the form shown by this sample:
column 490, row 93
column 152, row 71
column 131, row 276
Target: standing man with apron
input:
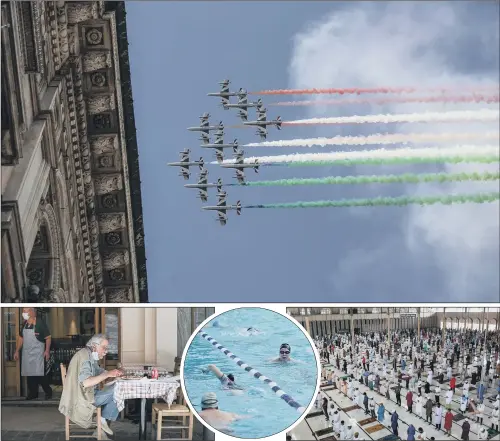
column 34, row 340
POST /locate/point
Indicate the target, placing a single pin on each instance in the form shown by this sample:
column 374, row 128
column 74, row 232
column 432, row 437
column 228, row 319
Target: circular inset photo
column 250, row 372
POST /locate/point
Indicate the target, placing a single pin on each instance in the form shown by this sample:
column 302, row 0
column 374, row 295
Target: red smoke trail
column 359, row 90
column 429, row 99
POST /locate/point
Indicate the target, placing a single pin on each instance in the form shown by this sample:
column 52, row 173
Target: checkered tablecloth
column 166, row 389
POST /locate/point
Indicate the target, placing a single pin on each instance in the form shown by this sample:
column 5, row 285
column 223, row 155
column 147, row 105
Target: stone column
column 418, row 325
column 352, row 329
column 444, row 325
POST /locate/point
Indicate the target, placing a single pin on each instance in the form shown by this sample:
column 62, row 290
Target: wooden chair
column 172, row 412
column 69, row 424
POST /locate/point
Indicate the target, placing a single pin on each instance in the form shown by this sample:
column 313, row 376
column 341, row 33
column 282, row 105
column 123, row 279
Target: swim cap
column 286, row 345
column 209, row 401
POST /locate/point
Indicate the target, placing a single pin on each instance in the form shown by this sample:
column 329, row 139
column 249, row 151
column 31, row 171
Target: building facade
column 72, row 228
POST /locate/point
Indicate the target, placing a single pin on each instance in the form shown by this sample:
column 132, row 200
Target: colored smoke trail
column 408, row 178
column 405, row 153
column 401, row 201
column 484, row 115
column 378, row 138
column 361, row 90
column 489, row 99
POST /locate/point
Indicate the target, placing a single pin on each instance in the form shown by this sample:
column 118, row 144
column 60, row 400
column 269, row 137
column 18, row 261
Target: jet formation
column 219, row 145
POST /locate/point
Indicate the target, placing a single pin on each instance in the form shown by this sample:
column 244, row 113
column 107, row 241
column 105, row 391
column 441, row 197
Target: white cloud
column 416, row 44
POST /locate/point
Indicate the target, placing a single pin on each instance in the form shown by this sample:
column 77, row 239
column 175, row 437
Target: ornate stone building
column 72, row 228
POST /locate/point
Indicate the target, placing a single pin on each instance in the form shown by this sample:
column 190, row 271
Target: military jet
column 262, row 123
column 239, row 165
column 203, row 186
column 224, row 93
column 222, row 208
column 205, row 126
column 219, row 146
column 185, row 163
column 243, row 105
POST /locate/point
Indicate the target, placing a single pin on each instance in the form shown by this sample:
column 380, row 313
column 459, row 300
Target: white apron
column 32, row 364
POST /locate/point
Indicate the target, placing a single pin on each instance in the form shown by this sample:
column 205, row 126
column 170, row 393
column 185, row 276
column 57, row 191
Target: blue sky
column 179, row 51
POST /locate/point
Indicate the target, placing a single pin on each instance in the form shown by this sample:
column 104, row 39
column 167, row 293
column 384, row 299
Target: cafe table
column 126, row 388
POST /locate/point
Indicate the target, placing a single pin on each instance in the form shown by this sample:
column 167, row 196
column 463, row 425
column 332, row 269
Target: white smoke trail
column 380, row 138
column 486, row 115
column 406, row 152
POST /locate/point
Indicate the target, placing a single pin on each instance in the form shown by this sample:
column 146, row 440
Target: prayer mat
column 324, row 385
column 492, row 433
column 314, row 414
column 328, row 388
column 348, row 409
column 390, row 437
column 324, row 431
column 330, row 438
column 374, row 428
column 367, row 421
column 458, row 417
column 459, row 385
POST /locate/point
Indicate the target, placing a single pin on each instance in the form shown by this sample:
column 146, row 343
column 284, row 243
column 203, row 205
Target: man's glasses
column 284, row 352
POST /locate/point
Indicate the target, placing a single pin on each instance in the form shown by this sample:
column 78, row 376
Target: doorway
column 70, row 330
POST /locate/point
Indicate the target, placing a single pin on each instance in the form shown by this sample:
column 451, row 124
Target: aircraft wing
column 185, row 172
column 243, row 114
column 203, row 193
column 225, row 100
column 240, row 176
column 222, row 218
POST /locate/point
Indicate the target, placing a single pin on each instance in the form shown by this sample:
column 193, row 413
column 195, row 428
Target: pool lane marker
column 288, row 399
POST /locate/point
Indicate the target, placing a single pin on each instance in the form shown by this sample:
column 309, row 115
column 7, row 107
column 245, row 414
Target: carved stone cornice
column 54, row 35
column 130, row 170
column 82, row 209
column 88, row 183
column 62, row 30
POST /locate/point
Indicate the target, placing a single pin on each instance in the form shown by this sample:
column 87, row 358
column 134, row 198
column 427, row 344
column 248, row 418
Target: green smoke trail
column 383, row 179
column 478, row 198
column 480, row 159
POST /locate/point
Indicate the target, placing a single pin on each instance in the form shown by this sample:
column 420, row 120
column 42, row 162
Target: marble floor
column 309, row 428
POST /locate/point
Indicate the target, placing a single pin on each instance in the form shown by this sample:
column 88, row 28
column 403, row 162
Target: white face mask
column 95, row 356
column 26, row 316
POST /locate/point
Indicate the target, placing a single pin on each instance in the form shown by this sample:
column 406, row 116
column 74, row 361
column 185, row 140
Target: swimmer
column 216, row 324
column 214, row 417
column 253, row 331
column 227, row 381
column 284, row 357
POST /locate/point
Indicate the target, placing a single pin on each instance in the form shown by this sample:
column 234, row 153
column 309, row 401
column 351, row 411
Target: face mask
column 95, row 356
column 26, row 316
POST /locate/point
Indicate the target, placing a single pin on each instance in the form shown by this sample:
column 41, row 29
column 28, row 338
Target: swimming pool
column 269, row 413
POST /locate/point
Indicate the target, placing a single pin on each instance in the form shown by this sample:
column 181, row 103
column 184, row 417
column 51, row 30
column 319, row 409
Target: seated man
column 81, row 395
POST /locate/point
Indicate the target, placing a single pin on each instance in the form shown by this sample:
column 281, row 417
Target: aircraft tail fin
column 238, row 208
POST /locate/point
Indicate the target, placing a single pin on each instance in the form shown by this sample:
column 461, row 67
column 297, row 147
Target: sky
column 179, row 51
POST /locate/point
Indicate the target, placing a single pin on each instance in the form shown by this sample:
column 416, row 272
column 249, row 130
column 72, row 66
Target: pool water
column 269, row 413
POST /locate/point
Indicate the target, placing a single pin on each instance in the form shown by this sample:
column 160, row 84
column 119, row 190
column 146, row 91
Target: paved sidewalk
column 46, row 423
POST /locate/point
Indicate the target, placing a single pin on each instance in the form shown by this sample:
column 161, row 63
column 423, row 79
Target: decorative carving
column 94, row 36
column 99, row 79
column 49, row 217
column 38, row 240
column 112, row 222
column 113, row 239
column 117, row 275
column 96, row 60
column 104, row 144
column 52, row 18
column 102, row 121
column 107, row 183
column 62, row 30
column 115, row 259
column 35, row 276
column 110, row 201
column 100, row 103
column 119, row 295
column 82, row 11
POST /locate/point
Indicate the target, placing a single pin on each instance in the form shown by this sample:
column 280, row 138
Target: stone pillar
column 389, row 325
column 308, row 327
column 444, row 325
column 352, row 329
column 418, row 325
